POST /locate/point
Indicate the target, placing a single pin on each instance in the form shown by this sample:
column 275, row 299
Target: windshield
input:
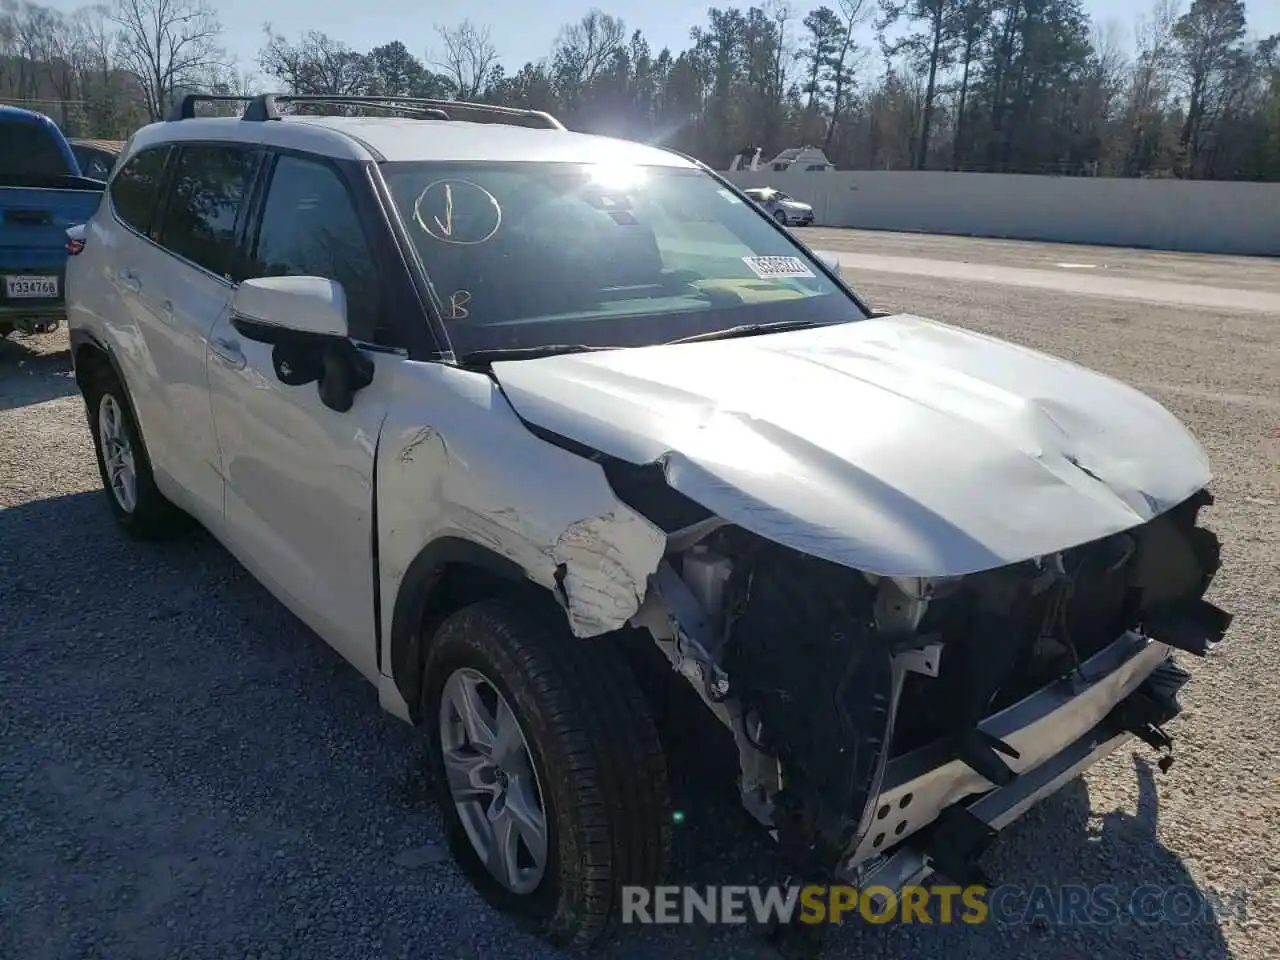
column 524, row 255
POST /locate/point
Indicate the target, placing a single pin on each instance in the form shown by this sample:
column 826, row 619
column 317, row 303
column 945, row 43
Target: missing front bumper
column 936, row 813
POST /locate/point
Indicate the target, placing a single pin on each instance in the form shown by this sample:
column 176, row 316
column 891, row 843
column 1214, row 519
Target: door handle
column 228, row 351
column 129, row 280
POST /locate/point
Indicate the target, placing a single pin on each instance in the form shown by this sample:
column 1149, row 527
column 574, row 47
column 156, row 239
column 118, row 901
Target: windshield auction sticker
column 777, row 268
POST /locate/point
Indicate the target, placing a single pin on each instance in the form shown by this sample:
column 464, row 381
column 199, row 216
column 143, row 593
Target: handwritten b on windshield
column 456, row 308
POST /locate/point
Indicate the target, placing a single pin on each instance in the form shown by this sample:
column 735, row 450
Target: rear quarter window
column 136, row 188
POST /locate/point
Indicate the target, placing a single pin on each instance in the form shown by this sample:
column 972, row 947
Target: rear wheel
column 547, row 767
column 138, row 506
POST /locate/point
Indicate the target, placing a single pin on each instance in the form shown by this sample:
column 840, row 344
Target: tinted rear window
column 209, row 186
column 30, row 150
column 136, row 188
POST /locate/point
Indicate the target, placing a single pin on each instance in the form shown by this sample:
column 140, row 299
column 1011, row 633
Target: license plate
column 19, row 287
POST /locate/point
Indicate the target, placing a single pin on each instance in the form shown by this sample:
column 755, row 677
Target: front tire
column 780, row 216
column 544, row 740
column 136, row 503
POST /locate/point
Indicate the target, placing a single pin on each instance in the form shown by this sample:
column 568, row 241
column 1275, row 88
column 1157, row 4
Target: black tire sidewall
column 150, row 500
column 780, row 216
column 536, row 911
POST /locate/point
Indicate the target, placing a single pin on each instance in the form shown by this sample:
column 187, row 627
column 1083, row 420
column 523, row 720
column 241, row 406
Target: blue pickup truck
column 42, row 193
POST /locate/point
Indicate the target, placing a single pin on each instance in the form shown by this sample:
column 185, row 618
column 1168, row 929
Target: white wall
column 1200, row 216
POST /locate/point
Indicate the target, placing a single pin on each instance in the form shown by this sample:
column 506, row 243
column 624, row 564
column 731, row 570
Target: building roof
column 108, row 146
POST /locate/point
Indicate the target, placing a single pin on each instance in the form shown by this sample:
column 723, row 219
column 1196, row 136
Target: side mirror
column 305, row 321
column 290, row 309
column 830, row 260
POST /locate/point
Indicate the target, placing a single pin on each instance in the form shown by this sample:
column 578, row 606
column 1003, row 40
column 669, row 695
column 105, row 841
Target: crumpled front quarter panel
column 455, row 461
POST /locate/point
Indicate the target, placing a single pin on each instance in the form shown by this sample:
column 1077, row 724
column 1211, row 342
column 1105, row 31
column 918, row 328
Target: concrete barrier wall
column 1199, row 216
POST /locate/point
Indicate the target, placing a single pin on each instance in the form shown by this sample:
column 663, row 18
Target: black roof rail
column 186, row 108
column 265, row 107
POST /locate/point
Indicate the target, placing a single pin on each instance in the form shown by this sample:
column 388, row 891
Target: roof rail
column 186, row 108
column 265, row 107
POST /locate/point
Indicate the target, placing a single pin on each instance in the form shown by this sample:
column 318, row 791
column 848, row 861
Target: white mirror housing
column 307, row 305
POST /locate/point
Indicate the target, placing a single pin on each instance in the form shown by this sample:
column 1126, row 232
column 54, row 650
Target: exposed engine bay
column 825, row 674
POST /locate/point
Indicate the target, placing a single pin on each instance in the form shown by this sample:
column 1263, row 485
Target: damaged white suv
column 484, row 403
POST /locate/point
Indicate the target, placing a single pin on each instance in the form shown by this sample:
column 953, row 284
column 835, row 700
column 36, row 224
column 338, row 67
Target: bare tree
column 1212, row 59
column 585, row 48
column 316, row 64
column 1139, row 145
column 167, row 45
column 845, row 60
column 468, row 59
column 95, row 41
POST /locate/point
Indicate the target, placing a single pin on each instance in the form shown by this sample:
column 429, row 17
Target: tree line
column 1018, row 86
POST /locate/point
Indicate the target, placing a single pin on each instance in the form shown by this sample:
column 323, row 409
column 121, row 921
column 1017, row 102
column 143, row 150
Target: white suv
column 485, row 403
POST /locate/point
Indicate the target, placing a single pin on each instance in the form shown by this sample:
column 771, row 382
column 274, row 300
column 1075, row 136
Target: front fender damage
column 602, row 568
column 477, row 474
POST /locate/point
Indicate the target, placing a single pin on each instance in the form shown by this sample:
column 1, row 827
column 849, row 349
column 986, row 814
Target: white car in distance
column 485, row 401
column 787, row 210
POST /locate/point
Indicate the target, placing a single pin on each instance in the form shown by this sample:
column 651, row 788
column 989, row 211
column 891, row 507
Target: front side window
column 94, row 163
column 527, row 255
column 310, row 228
column 136, row 187
column 208, row 190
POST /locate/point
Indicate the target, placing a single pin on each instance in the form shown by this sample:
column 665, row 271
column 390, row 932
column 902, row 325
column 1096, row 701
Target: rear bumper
column 44, row 317
column 1058, row 732
column 39, row 314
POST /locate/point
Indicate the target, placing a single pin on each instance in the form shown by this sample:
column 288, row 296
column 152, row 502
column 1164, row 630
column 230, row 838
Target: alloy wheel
column 492, row 780
column 117, row 453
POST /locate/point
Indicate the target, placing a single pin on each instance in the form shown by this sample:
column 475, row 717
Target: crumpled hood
column 897, row 446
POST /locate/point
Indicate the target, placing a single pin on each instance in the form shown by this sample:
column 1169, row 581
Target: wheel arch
column 88, row 352
column 446, row 575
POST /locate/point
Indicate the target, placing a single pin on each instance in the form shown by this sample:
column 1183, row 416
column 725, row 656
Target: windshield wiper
column 496, row 354
column 750, row 330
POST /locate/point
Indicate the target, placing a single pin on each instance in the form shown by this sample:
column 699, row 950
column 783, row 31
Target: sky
column 521, row 36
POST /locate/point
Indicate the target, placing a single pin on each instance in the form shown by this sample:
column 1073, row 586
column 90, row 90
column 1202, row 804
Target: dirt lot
column 185, row 771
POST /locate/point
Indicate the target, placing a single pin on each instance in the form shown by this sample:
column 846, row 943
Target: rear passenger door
column 186, row 285
column 104, row 290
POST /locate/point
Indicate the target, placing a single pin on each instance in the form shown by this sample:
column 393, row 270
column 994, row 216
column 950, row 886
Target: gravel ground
column 187, row 772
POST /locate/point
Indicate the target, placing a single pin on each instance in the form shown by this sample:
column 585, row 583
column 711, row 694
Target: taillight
column 75, row 239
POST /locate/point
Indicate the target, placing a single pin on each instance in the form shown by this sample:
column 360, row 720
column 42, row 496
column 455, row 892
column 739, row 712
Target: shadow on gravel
column 29, row 376
column 186, row 770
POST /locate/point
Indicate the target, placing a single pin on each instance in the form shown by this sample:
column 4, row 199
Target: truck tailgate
column 34, row 221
